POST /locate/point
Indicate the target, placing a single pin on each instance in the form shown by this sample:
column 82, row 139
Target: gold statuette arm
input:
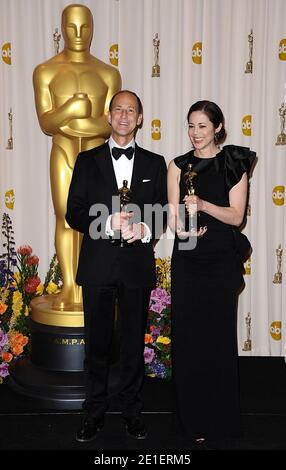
column 88, row 127
column 96, row 124
column 53, row 119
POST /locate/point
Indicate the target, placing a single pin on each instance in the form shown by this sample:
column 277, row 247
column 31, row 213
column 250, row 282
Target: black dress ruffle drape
column 205, row 281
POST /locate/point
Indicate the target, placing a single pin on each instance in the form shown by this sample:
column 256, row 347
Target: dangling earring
column 216, row 137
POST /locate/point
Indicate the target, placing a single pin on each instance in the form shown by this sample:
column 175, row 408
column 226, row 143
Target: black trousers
column 99, row 310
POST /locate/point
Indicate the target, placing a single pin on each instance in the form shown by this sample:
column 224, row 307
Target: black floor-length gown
column 205, row 281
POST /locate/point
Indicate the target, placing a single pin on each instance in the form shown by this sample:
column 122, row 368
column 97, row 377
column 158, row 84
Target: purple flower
column 159, row 369
column 4, row 369
column 148, row 355
column 160, row 295
column 156, row 332
column 3, row 338
column 157, row 307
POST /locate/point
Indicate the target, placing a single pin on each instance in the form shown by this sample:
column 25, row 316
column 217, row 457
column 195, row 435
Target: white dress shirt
column 123, row 169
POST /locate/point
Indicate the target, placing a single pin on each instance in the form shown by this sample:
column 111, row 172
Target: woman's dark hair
column 215, row 115
column 139, row 103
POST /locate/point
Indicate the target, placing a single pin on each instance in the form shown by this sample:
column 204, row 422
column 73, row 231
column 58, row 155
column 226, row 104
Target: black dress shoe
column 89, row 429
column 135, row 428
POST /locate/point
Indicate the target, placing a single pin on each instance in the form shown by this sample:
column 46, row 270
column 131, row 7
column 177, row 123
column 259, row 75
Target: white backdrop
column 212, row 69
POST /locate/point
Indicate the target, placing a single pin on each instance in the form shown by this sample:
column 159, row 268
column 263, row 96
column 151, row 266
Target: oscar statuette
column 156, row 66
column 72, row 91
column 249, row 64
column 189, row 181
column 247, row 342
column 56, row 38
column 281, row 138
column 10, row 140
column 278, row 275
column 125, row 196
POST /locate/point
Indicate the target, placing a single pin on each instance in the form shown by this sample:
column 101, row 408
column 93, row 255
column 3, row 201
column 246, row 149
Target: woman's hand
column 182, row 234
column 193, row 204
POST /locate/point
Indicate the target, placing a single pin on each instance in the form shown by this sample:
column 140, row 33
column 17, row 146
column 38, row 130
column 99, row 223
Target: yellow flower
column 163, row 340
column 17, row 277
column 4, row 293
column 17, row 303
column 40, row 289
column 52, row 288
column 26, row 312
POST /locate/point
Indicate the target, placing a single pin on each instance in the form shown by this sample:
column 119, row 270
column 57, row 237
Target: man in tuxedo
column 107, row 270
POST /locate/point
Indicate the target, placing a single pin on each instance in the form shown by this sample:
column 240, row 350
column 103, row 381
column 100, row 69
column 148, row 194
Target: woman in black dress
column 206, row 276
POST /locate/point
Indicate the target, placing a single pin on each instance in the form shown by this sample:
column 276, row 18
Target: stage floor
column 25, row 424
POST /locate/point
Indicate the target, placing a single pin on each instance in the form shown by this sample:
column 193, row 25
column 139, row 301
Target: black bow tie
column 117, row 152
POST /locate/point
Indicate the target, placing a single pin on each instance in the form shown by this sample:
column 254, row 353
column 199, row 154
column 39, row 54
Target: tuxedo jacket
column 90, row 203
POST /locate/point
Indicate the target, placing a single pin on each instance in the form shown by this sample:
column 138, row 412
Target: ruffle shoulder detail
column 182, row 161
column 238, row 160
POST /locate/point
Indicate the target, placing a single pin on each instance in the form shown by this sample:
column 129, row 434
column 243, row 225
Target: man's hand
column 133, row 232
column 119, row 220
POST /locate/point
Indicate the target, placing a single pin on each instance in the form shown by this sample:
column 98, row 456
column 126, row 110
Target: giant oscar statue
column 73, row 90
column 72, row 93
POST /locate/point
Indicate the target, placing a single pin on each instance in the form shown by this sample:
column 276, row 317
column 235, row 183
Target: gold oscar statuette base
column 156, row 71
column 247, row 345
column 9, row 144
column 43, row 311
column 281, row 139
column 277, row 278
column 248, row 67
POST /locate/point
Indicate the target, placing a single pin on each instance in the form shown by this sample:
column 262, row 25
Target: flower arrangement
column 157, row 351
column 19, row 284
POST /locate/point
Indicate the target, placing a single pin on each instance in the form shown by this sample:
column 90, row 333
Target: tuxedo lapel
column 138, row 168
column 104, row 163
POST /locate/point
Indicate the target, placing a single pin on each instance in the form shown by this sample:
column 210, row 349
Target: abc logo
column 282, row 49
column 6, row 53
column 247, row 266
column 156, row 129
column 10, row 199
column 275, row 330
column 278, row 195
column 246, row 125
column 197, row 53
column 113, row 54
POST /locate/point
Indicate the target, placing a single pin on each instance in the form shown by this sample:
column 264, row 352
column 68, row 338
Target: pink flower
column 4, row 370
column 32, row 284
column 160, row 295
column 148, row 355
column 25, row 250
column 155, row 331
column 32, row 260
column 3, row 338
column 157, row 307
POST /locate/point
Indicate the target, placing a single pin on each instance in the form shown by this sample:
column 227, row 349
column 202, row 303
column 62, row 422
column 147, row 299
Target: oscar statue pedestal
column 53, row 374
